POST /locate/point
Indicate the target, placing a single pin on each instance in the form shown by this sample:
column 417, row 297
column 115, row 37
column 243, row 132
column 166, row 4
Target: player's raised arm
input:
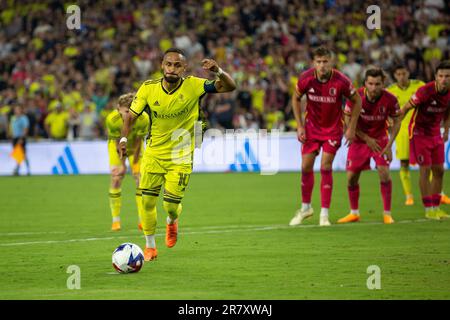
column 350, row 132
column 297, row 108
column 225, row 83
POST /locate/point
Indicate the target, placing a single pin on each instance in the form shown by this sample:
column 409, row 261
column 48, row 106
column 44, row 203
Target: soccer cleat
column 301, row 215
column 115, row 226
column 432, row 214
column 324, row 222
column 171, row 234
column 387, row 219
column 150, row 254
column 442, row 214
column 140, row 226
column 409, row 201
column 445, row 199
column 351, row 217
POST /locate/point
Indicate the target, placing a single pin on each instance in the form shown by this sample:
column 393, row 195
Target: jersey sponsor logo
column 170, row 115
column 66, row 163
column 436, row 110
column 311, row 90
column 156, row 103
column 373, row 117
column 322, row 99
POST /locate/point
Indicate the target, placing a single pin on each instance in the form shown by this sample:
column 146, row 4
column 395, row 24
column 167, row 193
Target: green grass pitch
column 234, row 242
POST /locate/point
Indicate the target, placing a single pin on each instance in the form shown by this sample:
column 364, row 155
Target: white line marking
column 230, row 229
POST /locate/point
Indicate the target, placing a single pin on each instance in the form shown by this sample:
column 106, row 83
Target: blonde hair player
column 134, row 148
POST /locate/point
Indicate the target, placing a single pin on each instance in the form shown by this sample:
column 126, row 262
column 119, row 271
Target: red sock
column 326, row 187
column 353, row 194
column 386, row 194
column 307, row 186
column 427, row 201
column 436, row 199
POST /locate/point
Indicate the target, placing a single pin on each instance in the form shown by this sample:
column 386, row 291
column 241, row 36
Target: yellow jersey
column 403, row 95
column 172, row 116
column 114, row 124
column 58, row 123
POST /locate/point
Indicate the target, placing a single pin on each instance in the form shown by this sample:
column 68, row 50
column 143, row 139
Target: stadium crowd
column 67, row 81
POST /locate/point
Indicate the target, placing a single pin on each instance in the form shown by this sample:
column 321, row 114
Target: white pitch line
column 8, row 234
column 229, row 230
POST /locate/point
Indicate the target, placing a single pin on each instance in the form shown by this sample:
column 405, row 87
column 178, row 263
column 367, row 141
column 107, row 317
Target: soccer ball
column 128, row 258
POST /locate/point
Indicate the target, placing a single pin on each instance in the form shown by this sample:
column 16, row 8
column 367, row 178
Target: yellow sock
column 139, row 203
column 148, row 216
column 406, row 180
column 172, row 209
column 115, row 202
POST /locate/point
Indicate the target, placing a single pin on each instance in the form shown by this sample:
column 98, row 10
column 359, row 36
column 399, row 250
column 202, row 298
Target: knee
column 438, row 172
column 384, row 176
column 326, row 166
column 149, row 202
column 352, row 182
column 116, row 181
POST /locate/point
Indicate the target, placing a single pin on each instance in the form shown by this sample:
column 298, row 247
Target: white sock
column 324, row 212
column 116, row 219
column 170, row 221
column 355, row 212
column 387, row 212
column 306, row 206
column 150, row 241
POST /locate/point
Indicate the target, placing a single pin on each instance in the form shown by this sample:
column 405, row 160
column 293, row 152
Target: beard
column 171, row 78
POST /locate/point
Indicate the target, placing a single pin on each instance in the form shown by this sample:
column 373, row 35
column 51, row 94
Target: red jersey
column 323, row 119
column 430, row 109
column 374, row 115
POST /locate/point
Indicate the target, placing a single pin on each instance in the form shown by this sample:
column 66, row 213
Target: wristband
column 123, row 139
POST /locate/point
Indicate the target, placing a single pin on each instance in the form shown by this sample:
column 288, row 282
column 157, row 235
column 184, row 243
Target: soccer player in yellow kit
column 403, row 89
column 134, row 148
column 174, row 103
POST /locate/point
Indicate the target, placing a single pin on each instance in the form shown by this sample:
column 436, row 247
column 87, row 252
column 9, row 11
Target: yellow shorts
column 114, row 160
column 402, row 145
column 156, row 173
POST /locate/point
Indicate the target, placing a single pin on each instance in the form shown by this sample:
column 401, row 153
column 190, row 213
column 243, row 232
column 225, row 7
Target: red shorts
column 426, row 150
column 359, row 154
column 328, row 145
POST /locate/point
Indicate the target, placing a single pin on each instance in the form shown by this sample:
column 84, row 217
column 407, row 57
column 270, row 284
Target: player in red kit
column 431, row 104
column 325, row 89
column 372, row 141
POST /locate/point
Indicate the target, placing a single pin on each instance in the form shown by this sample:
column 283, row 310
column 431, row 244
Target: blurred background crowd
column 67, row 81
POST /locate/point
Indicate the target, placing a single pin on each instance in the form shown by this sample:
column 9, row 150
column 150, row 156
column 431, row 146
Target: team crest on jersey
column 420, row 159
column 382, row 109
column 332, row 91
column 156, row 103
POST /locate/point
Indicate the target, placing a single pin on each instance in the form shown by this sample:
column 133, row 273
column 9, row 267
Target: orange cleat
column 387, row 219
column 115, row 226
column 445, row 199
column 150, row 254
column 351, row 217
column 140, row 226
column 409, row 201
column 171, row 234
